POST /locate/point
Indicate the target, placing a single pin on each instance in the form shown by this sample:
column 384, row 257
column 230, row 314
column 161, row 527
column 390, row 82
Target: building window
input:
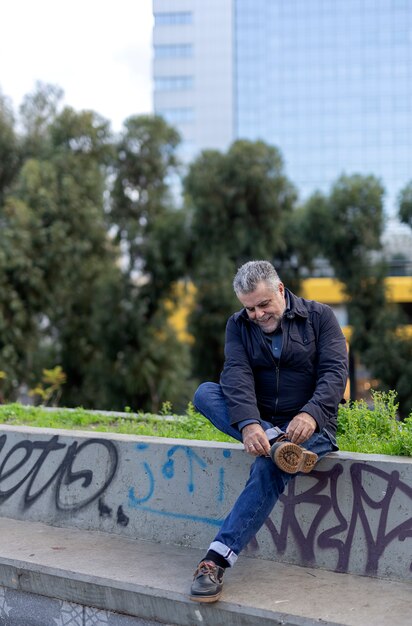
column 173, row 83
column 170, row 51
column 172, row 19
column 182, row 115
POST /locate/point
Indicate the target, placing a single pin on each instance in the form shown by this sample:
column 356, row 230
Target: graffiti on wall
column 25, row 469
column 333, row 524
column 176, row 481
column 180, row 461
column 370, row 513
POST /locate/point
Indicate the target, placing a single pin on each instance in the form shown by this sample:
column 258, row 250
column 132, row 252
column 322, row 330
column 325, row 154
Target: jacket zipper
column 277, row 369
column 277, row 388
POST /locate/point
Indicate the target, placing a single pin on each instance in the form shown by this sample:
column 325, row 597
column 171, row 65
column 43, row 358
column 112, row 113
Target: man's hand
column 301, row 428
column 255, row 440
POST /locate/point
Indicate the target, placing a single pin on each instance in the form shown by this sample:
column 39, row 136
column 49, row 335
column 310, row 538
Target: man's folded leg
column 250, row 511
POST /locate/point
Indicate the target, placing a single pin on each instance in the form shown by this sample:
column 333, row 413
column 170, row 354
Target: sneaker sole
column 291, row 458
column 206, row 598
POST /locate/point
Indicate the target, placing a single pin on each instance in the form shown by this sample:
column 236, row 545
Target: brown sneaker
column 292, row 458
column 207, row 582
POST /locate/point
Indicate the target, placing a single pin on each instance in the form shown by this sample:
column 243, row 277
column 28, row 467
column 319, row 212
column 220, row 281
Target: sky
column 97, row 51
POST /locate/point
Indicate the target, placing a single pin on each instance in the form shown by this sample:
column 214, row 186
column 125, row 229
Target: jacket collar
column 296, row 306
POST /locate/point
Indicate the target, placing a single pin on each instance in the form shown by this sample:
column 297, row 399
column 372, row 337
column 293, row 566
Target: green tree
column 90, row 249
column 151, row 362
column 405, row 205
column 22, row 287
column 9, row 148
column 64, row 189
column 238, row 203
column 86, row 275
column 37, row 112
column 145, row 160
column 82, row 149
column 346, row 228
column 389, row 358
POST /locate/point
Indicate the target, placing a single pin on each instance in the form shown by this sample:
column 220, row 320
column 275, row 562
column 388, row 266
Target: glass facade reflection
column 330, row 84
column 173, row 51
column 182, row 115
column 173, row 18
column 173, row 83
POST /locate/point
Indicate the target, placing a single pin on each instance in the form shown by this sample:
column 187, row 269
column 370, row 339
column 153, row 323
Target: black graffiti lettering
column 3, row 439
column 28, row 447
column 61, row 475
column 104, row 510
column 122, row 518
column 67, row 476
column 49, row 446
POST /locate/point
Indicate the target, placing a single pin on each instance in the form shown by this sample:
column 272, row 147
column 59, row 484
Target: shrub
column 376, row 430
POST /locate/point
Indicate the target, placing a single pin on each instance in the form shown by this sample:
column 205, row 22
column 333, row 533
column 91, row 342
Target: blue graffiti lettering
column 168, row 468
column 133, row 499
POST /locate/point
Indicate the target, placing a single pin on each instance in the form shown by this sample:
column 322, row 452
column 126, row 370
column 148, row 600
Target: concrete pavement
column 151, row 581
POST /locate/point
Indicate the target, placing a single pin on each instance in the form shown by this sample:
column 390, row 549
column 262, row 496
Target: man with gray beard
column 284, row 375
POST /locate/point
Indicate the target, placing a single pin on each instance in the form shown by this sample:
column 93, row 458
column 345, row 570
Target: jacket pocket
column 304, row 335
column 302, row 346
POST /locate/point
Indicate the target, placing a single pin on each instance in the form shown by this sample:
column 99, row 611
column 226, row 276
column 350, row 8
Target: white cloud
column 98, row 52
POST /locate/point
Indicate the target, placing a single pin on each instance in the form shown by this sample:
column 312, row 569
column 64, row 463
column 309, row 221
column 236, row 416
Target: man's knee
column 204, row 395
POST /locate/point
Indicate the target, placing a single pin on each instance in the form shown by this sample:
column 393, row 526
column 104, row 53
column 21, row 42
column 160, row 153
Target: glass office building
column 329, row 82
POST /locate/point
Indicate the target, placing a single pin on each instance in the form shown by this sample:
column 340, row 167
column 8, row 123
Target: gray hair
column 253, row 272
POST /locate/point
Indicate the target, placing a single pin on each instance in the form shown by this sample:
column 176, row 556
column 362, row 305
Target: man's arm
column 332, row 374
column 238, row 387
column 237, row 380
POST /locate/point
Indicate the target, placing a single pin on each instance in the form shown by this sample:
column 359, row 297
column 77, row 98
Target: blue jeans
column 266, row 481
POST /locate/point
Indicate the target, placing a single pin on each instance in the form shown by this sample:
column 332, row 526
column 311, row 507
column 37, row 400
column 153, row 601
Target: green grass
column 360, row 429
column 189, row 426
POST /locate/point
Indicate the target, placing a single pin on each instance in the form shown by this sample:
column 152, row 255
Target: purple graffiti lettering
column 290, row 524
column 374, row 546
column 371, row 513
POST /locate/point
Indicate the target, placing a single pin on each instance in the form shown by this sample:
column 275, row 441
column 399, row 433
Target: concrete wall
column 352, row 514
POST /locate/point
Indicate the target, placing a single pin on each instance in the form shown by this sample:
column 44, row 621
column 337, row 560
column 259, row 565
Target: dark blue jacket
column 310, row 375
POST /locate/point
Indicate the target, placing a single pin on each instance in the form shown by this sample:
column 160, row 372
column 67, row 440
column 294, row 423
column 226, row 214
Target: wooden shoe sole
column 291, row 458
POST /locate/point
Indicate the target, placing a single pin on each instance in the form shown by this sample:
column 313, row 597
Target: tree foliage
column 346, row 227
column 60, row 192
column 151, row 233
column 92, row 247
column 145, row 158
column 80, row 203
column 405, row 205
column 21, row 291
column 9, row 148
column 37, row 111
column 238, row 202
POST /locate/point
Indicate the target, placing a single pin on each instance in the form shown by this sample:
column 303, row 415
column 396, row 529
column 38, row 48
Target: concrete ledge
column 151, row 581
column 352, row 514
